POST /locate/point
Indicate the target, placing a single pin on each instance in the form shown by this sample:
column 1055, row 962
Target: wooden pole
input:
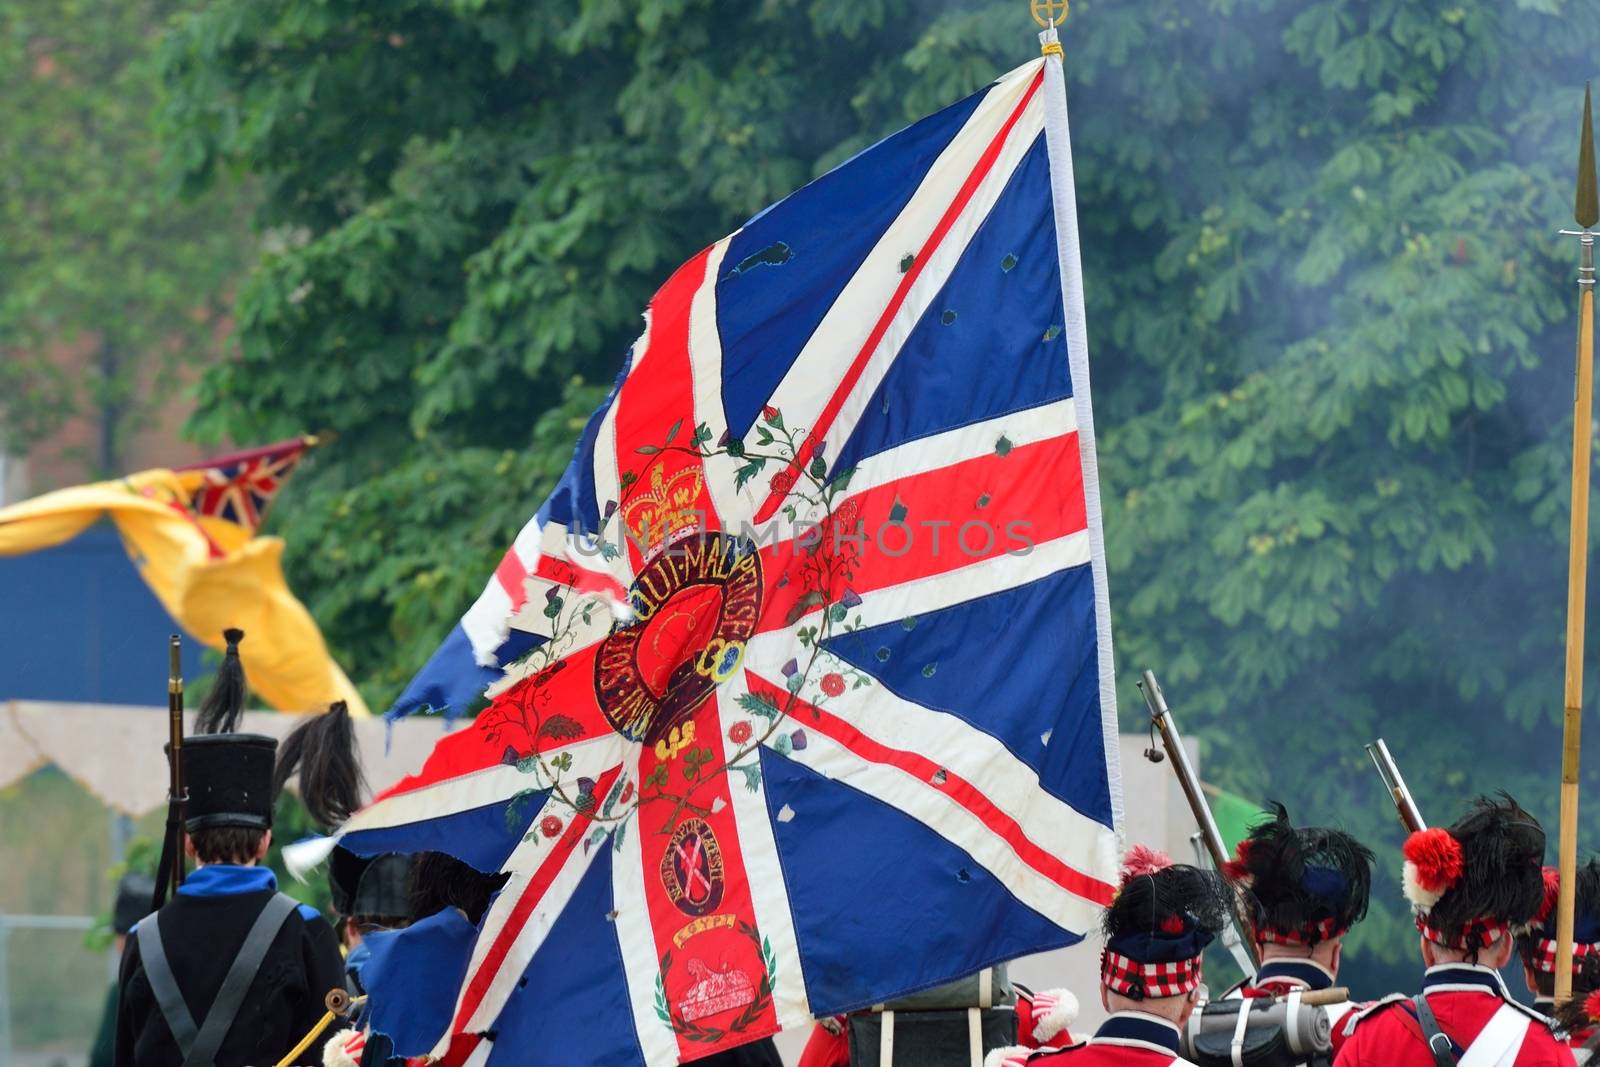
column 1587, row 214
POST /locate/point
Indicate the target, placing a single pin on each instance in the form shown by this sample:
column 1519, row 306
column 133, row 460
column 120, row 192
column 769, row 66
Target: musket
column 1389, row 771
column 170, row 872
column 1189, row 782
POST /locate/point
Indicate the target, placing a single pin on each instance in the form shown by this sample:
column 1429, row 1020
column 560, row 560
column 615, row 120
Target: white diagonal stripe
column 637, row 942
column 534, row 850
column 956, row 745
column 814, row 375
column 491, row 785
column 956, row 824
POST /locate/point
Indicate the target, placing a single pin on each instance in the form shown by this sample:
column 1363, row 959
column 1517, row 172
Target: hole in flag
column 1008, row 263
column 1052, row 333
column 785, row 813
column 906, row 261
column 774, row 255
column 963, row 875
column 948, row 317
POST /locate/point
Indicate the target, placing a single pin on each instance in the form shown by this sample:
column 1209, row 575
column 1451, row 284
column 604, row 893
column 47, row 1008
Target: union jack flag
column 800, row 688
column 239, row 487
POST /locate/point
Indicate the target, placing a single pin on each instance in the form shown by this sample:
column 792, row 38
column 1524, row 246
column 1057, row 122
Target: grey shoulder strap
column 245, row 965
column 158, row 972
column 1439, row 1043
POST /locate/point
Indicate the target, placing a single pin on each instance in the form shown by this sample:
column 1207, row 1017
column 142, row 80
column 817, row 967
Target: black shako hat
column 229, row 780
column 228, row 776
column 134, row 891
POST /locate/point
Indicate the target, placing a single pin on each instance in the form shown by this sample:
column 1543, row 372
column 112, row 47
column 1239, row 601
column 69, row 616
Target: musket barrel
column 1189, row 782
column 176, row 795
column 1389, row 771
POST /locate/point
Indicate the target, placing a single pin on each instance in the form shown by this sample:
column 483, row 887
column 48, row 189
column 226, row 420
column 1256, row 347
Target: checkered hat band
column 1480, row 933
column 1148, row 980
column 1325, row 930
column 1544, row 957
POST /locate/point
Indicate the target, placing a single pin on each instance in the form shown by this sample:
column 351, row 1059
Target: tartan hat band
column 1311, row 934
column 1543, row 958
column 1479, row 933
column 1144, row 981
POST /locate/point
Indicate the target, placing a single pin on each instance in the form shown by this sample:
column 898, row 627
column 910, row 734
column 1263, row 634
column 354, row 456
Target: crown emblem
column 667, row 508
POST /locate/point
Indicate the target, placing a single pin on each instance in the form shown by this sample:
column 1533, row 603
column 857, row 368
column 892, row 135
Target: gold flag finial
column 1049, row 13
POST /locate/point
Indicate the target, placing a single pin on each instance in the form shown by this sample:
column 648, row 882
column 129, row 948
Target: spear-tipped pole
column 1587, row 213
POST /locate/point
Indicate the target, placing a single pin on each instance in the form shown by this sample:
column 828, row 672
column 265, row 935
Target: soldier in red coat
column 1470, row 886
column 1306, row 888
column 1163, row 917
column 1537, row 947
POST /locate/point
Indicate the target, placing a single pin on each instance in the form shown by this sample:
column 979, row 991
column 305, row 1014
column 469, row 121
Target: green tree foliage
column 93, row 256
column 1330, row 319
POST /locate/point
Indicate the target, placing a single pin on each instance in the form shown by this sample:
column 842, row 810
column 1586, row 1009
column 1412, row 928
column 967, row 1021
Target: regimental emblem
column 669, row 508
column 695, row 1001
column 691, row 869
column 714, row 992
column 695, row 605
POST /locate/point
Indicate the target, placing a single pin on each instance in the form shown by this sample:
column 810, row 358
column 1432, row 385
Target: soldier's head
column 1162, row 919
column 1475, row 884
column 1304, row 887
column 135, row 891
column 1537, row 946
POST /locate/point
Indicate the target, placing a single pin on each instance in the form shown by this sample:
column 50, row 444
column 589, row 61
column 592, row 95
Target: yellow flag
column 192, row 535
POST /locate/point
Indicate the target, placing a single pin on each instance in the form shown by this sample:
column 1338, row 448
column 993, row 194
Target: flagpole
column 1587, row 214
column 1075, row 331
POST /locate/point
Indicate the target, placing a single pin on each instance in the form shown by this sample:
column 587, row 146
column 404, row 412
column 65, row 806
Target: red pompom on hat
column 1142, row 860
column 1591, row 1005
column 1552, row 889
column 1433, row 864
column 1238, row 869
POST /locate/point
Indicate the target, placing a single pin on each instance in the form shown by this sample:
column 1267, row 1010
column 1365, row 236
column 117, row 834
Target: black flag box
column 985, row 989
column 950, row 1038
column 955, row 1024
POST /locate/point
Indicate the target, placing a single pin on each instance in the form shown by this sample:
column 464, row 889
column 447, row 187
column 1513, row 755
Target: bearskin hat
column 1163, row 917
column 1304, row 885
column 1477, row 879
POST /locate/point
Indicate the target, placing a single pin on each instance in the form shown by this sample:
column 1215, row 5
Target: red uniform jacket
column 1463, row 999
column 1126, row 1039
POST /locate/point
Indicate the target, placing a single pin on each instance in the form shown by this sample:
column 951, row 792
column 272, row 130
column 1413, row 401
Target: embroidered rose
column 550, row 826
column 784, row 480
column 739, row 733
column 832, row 684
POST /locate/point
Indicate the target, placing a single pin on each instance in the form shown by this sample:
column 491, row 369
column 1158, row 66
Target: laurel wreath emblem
column 694, row 1031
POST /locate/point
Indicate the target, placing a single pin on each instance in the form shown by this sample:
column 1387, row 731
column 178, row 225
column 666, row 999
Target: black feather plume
column 224, row 703
column 323, row 750
column 1502, row 851
column 1173, row 897
column 1299, row 878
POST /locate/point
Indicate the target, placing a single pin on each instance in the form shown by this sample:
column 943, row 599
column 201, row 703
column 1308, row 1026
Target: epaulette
column 1532, row 1013
column 1372, row 1009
